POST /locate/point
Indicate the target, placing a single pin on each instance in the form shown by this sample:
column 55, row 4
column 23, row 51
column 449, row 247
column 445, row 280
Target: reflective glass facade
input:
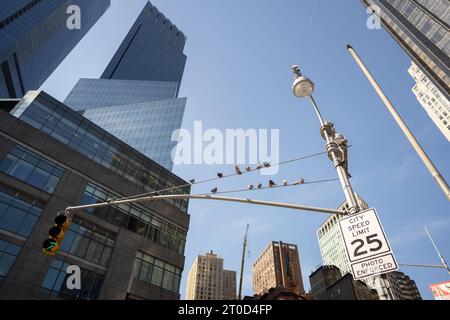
column 55, row 283
column 422, row 28
column 8, row 254
column 157, row 272
column 136, row 219
column 152, row 50
column 35, row 39
column 18, row 213
column 136, row 98
column 69, row 127
column 31, row 168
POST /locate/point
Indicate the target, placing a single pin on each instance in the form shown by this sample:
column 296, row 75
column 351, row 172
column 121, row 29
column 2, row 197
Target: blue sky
column 238, row 76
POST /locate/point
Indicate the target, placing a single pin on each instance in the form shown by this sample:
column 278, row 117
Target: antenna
column 441, row 257
column 244, row 246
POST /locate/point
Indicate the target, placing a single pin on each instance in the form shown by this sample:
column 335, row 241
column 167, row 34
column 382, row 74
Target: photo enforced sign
column 367, row 246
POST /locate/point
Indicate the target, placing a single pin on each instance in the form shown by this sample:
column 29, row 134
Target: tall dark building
column 327, row 283
column 52, row 157
column 422, row 29
column 35, row 39
column 136, row 98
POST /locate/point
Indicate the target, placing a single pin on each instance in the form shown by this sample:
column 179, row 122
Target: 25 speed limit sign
column 368, row 249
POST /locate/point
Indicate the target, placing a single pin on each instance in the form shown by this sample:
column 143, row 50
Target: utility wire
column 218, row 178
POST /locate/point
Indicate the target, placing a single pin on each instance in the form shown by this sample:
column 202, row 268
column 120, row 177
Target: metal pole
column 207, row 197
column 328, row 133
column 421, row 265
column 244, row 246
column 417, row 147
column 441, row 257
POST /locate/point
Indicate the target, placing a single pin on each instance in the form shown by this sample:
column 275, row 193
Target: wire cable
column 218, row 178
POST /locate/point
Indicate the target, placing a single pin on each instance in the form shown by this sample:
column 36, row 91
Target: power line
column 218, row 178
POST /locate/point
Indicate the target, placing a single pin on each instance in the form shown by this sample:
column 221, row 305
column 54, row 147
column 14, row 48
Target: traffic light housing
column 52, row 244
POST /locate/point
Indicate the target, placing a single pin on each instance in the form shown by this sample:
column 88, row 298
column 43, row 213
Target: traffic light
column 52, row 244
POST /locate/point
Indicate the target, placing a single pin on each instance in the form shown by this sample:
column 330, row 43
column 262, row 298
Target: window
column 157, row 272
column 55, row 283
column 135, row 219
column 8, row 254
column 89, row 242
column 17, row 214
column 29, row 167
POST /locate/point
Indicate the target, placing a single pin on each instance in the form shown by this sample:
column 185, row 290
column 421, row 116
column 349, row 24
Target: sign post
column 367, row 246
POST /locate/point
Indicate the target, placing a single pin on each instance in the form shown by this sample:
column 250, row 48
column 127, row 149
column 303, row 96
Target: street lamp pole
column 336, row 144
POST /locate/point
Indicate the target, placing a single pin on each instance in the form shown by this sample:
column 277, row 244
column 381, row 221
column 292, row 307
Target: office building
column 321, row 279
column 229, row 285
column 51, row 157
column 331, row 243
column 278, row 266
column 207, row 279
column 396, row 286
column 136, row 98
column 432, row 100
column 421, row 28
column 35, row 39
column 327, row 283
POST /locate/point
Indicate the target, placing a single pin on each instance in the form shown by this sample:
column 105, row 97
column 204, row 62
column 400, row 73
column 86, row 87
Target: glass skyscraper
column 136, row 98
column 422, row 28
column 35, row 39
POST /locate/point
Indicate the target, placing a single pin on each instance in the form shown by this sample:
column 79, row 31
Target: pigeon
column 214, row 190
column 251, row 187
column 258, row 167
column 271, row 184
column 238, row 171
column 192, row 181
column 156, row 193
column 248, row 169
column 259, row 186
column 266, row 164
column 285, row 182
column 220, row 175
column 302, row 181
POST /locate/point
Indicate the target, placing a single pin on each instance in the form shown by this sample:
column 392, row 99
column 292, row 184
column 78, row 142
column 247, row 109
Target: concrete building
column 332, row 247
column 321, row 279
column 35, row 39
column 396, row 286
column 207, row 279
column 229, row 285
column 278, row 266
column 421, row 28
column 136, row 98
column 51, row 157
column 327, row 283
column 345, row 288
column 432, row 100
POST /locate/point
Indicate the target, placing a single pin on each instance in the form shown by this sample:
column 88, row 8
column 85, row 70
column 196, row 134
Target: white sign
column 368, row 249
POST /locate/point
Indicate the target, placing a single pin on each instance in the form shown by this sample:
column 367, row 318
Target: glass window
column 8, row 254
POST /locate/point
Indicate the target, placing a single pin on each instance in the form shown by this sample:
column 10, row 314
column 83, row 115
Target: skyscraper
column 331, row 243
column 278, row 266
column 435, row 104
column 396, row 286
column 52, row 157
column 35, row 39
column 421, row 28
column 207, row 279
column 136, row 98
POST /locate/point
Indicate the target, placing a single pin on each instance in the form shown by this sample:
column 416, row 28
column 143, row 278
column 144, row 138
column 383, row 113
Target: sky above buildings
column 238, row 76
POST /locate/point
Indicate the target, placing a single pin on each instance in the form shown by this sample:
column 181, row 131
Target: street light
column 336, row 144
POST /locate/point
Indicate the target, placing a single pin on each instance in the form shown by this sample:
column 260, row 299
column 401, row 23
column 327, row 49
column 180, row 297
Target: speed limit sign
column 368, row 249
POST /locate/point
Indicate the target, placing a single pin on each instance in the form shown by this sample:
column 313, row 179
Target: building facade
column 278, row 266
column 421, row 28
column 321, row 279
column 396, row 286
column 432, row 100
column 331, row 243
column 36, row 39
column 136, row 98
column 51, row 157
column 207, row 279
